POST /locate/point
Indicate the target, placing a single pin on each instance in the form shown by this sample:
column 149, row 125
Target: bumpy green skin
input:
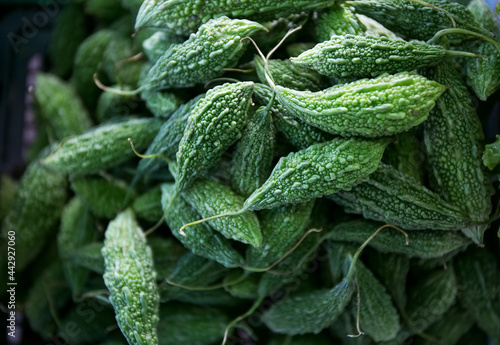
column 384, row 105
column 339, row 20
column 77, row 229
column 210, row 198
column 131, row 280
column 60, row 106
column 103, row 147
column 454, row 324
column 393, row 198
column 114, row 63
column 294, row 76
column 69, row 31
column 182, row 324
column 148, row 205
column 185, row 16
column 8, row 191
column 422, row 244
column 48, row 292
column 253, row 155
column 346, row 325
column 413, row 20
column 483, row 75
column 366, row 56
column 453, row 138
column 379, row 318
column 157, row 44
column 191, row 270
column 281, row 227
column 477, row 278
column 105, row 197
column 491, row 155
column 35, row 210
column 406, row 155
column 216, row 45
column 215, row 123
column 484, row 15
column 392, row 271
column 166, row 142
column 298, row 133
column 200, row 238
column 319, row 170
column 374, row 28
column 88, row 61
column 323, row 307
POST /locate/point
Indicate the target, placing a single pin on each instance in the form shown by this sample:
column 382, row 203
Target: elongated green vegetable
column 183, row 17
column 215, row 123
column 392, row 197
column 380, row 106
column 366, row 56
column 339, row 20
column 491, row 155
column 215, row 46
column 453, row 139
column 102, row 147
column 131, row 280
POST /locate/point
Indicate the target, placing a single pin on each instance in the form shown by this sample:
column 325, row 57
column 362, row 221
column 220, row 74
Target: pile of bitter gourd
column 325, row 182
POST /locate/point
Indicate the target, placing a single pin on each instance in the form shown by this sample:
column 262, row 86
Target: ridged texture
column 393, row 198
column 131, row 280
column 417, row 21
column 77, row 229
column 477, row 278
column 294, row 76
column 491, row 155
column 215, row 46
column 161, row 103
column 183, row 17
column 103, row 147
column 157, row 44
column 365, row 56
column 379, row 318
column 88, row 61
column 183, row 324
column 104, row 196
column 339, row 20
column 323, row 306
column 422, row 244
column 281, row 228
column 319, row 170
column 453, row 138
column 63, row 47
column 215, row 123
column 60, row 106
column 296, row 132
column 200, row 238
column 166, row 142
column 210, row 198
column 384, row 105
column 35, row 211
column 253, row 154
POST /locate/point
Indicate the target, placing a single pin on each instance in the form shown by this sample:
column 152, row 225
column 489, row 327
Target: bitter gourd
column 339, row 20
column 131, row 280
column 215, row 123
column 215, row 46
column 391, row 197
column 491, row 155
column 384, row 105
column 407, row 154
column 102, row 147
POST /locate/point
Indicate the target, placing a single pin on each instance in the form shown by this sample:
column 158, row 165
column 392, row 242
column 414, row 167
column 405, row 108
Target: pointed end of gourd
column 476, row 233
